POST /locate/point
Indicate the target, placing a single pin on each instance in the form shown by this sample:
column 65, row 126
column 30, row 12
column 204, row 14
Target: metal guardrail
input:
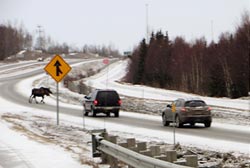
column 127, row 156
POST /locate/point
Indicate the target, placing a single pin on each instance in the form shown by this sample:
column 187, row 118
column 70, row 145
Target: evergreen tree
column 141, row 62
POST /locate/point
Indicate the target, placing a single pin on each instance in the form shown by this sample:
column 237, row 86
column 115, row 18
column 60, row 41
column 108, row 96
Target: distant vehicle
column 102, row 101
column 40, row 59
column 187, row 111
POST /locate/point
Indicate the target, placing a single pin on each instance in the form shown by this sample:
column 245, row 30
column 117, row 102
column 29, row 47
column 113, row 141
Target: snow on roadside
column 69, row 144
column 118, row 70
column 20, row 137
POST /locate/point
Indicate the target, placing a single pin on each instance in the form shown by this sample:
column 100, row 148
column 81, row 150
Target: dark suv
column 102, row 101
column 190, row 110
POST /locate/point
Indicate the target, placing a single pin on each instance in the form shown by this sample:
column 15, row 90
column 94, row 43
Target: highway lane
column 8, row 92
column 11, row 158
column 14, row 65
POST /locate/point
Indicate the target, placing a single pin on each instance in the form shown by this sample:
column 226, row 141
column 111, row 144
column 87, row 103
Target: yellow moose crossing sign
column 57, row 68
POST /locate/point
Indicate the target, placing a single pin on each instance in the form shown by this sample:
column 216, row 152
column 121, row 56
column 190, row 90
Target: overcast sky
column 122, row 23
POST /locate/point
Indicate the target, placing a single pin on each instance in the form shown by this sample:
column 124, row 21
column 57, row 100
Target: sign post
column 174, row 123
column 106, row 62
column 57, row 68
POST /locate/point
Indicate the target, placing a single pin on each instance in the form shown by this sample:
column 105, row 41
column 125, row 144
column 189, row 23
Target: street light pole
column 40, row 45
column 147, row 41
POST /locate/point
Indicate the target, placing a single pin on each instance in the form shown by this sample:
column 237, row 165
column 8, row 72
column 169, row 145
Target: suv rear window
column 107, row 97
column 195, row 103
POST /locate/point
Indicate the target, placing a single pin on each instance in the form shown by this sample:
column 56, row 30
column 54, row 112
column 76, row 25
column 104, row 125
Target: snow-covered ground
column 35, row 138
column 118, row 71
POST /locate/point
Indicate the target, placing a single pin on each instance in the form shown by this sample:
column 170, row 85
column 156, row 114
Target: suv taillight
column 120, row 102
column 95, row 102
column 183, row 109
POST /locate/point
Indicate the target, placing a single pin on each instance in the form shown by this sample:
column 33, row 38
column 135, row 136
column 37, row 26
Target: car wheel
column 178, row 122
column 207, row 124
column 192, row 124
column 93, row 112
column 116, row 113
column 108, row 114
column 85, row 112
column 164, row 121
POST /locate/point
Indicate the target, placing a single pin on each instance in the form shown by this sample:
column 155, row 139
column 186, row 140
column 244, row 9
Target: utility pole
column 40, row 40
column 212, row 30
column 147, row 31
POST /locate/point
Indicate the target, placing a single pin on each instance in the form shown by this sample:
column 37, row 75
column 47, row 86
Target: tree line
column 103, row 50
column 13, row 40
column 217, row 69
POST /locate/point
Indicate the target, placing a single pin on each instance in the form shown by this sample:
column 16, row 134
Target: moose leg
column 35, row 99
column 42, row 100
column 30, row 99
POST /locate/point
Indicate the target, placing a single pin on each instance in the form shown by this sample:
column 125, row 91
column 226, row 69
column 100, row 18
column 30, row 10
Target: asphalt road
column 8, row 92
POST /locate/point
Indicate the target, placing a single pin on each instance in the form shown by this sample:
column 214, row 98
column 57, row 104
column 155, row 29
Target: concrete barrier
column 155, row 150
column 131, row 142
column 141, row 147
column 171, row 155
column 191, row 160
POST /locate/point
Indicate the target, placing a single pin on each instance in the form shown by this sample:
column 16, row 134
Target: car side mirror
column 86, row 97
column 169, row 106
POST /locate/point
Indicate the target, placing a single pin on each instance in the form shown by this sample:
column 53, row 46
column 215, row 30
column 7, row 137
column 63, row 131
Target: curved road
column 8, row 92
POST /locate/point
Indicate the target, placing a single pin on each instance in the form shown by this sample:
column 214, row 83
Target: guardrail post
column 96, row 142
column 95, row 153
column 191, row 160
column 171, row 155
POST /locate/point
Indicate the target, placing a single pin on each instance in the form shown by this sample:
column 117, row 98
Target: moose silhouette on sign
column 39, row 92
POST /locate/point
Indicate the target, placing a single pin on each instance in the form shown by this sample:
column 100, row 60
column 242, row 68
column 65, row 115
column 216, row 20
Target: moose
column 39, row 92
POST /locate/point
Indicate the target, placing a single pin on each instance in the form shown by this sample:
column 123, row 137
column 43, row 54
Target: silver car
column 187, row 111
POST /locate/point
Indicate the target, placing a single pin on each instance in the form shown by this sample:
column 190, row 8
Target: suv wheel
column 116, row 113
column 164, row 121
column 93, row 112
column 85, row 112
column 207, row 124
column 178, row 122
column 192, row 124
column 108, row 114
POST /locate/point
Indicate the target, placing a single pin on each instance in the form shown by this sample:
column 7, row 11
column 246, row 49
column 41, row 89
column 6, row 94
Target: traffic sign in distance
column 57, row 68
column 105, row 61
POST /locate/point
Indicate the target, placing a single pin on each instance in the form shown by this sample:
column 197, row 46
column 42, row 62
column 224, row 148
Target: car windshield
column 195, row 103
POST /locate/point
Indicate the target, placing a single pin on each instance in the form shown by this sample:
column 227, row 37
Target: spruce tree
column 141, row 63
